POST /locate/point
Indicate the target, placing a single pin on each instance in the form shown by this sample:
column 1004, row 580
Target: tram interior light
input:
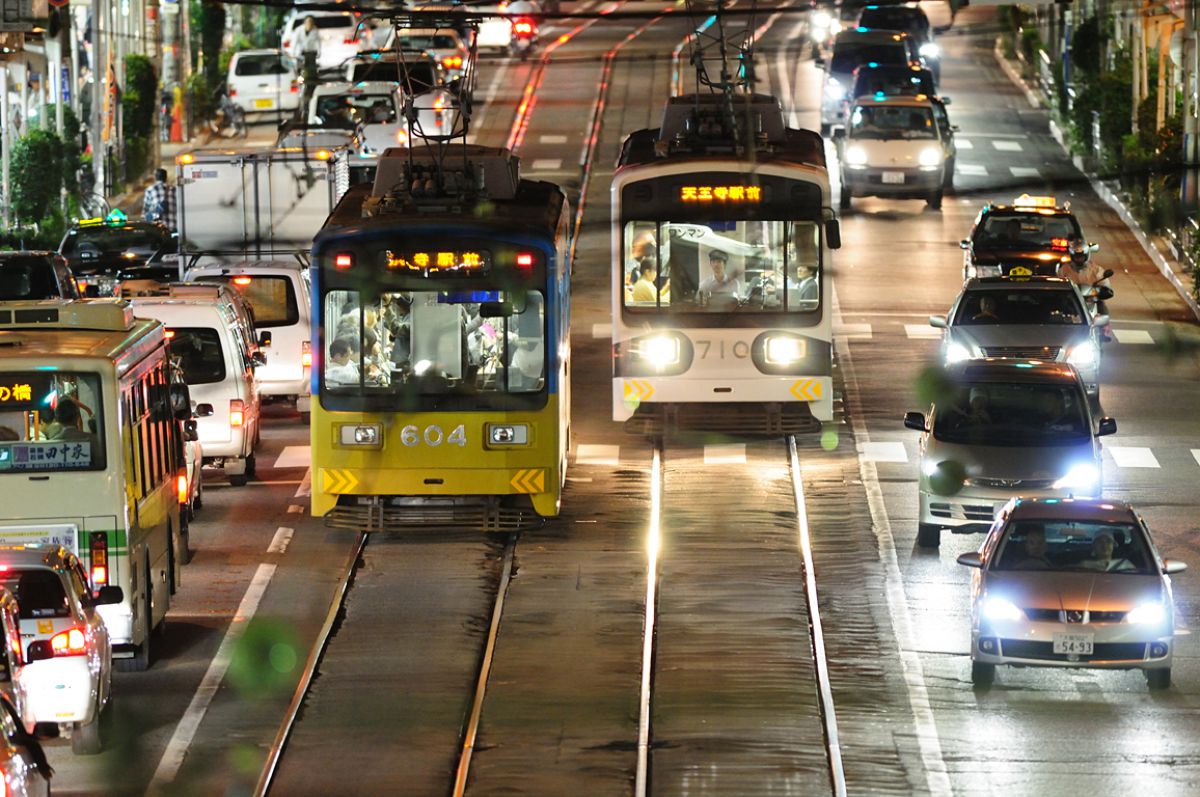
column 659, row 350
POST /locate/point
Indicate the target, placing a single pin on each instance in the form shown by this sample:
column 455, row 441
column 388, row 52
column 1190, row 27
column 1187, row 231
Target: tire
column 86, row 737
column 238, row 480
column 140, row 662
column 199, row 502
column 935, row 200
column 948, row 181
column 844, row 198
column 983, row 674
column 251, row 465
column 1159, row 679
column 306, row 418
column 929, row 535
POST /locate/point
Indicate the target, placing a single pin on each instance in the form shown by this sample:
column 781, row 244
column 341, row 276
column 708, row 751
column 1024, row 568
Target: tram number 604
column 433, row 436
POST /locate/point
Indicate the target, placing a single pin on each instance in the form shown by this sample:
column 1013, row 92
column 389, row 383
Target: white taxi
column 66, row 672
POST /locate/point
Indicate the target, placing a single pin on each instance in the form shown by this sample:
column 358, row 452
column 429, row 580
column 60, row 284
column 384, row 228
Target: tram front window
column 435, row 342
column 722, row 266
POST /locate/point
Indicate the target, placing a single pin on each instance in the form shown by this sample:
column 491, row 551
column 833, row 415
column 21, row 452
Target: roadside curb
column 1106, row 194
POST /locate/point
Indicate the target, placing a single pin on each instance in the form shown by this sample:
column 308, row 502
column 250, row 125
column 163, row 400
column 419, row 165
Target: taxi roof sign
column 1028, row 201
column 108, row 315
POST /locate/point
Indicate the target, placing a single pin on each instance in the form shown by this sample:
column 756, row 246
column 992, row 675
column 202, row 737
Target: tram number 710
column 433, row 436
column 740, row 349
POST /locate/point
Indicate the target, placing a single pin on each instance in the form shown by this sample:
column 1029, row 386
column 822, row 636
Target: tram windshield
column 722, row 266
column 435, row 342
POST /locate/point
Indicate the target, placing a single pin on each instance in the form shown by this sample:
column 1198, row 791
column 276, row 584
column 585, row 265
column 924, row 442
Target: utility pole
column 1191, row 153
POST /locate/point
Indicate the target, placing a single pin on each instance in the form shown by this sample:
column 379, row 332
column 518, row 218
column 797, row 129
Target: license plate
column 266, row 102
column 893, row 178
column 1020, row 271
column 1079, row 644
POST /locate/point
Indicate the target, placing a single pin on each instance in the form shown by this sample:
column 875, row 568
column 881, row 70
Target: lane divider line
column 279, row 543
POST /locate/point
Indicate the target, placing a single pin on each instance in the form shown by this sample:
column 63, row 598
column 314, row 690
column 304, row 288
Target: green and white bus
column 89, row 459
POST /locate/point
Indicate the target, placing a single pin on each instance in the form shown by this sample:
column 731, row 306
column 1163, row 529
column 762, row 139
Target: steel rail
column 275, row 753
column 653, row 544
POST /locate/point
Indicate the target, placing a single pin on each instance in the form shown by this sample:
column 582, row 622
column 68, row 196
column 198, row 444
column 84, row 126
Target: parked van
column 212, row 338
column 279, row 296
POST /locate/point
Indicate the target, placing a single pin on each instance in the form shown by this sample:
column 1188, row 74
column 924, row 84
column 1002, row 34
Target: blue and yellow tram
column 441, row 332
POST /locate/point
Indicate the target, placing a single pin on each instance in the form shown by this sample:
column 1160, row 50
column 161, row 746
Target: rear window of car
column 199, row 352
column 435, row 42
column 39, row 592
column 271, row 299
column 265, row 64
column 906, row 19
column 1026, row 231
column 848, row 55
column 894, row 81
column 27, row 277
column 104, row 240
column 329, row 21
column 414, row 77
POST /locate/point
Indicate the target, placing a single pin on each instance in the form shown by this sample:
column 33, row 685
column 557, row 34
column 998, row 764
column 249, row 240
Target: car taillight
column 439, row 103
column 295, row 87
column 71, row 642
column 452, row 61
column 181, row 485
column 523, row 27
column 237, row 412
column 98, row 546
column 402, row 137
column 306, row 354
column 232, row 92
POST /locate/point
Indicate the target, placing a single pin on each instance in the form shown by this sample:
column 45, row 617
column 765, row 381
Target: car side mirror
column 203, row 411
column 945, row 100
column 38, row 651
column 833, row 233
column 971, row 559
column 964, row 244
column 258, row 358
column 109, row 596
column 191, row 431
column 1093, row 247
column 1107, row 426
column 1172, row 566
column 1100, row 320
column 938, row 321
column 1108, row 272
column 181, row 401
column 916, row 421
column 264, row 339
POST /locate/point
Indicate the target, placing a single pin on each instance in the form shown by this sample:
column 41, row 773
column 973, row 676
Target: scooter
column 524, row 37
column 1095, row 296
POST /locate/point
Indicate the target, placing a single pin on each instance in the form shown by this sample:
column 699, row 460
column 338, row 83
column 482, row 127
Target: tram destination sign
column 696, row 197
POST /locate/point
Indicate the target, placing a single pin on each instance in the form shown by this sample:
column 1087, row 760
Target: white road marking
column 294, row 457
column 1025, row 171
column 892, row 451
column 549, row 139
column 922, row 331
column 489, row 98
column 546, row 164
column 1007, row 146
column 725, row 454
column 1137, row 337
column 963, row 143
column 853, row 331
column 971, row 169
column 295, row 509
column 602, row 330
column 305, row 488
column 189, row 724
column 1132, row 456
column 593, row 454
column 1196, row 455
column 279, row 543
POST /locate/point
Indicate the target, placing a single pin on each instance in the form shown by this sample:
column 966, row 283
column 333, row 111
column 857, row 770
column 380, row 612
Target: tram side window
column 722, row 266
column 437, row 341
column 50, row 422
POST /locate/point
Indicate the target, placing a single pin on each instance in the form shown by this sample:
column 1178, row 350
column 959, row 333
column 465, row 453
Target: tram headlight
column 783, row 350
column 660, row 351
column 366, row 435
column 508, row 434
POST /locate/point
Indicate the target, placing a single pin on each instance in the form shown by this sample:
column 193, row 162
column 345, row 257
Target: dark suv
column 35, row 275
column 910, row 19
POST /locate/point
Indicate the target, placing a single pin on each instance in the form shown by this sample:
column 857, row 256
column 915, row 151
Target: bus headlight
column 508, row 434
column 783, row 350
column 365, row 435
column 660, row 351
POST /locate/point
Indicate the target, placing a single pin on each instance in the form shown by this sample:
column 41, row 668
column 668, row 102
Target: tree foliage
column 36, row 175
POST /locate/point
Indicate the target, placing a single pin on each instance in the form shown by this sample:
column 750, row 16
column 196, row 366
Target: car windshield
column 263, row 64
column 1016, row 306
column 102, row 240
column 722, row 267
column 892, row 121
column 1030, row 231
column 271, row 299
column 894, row 81
column 1012, row 414
column 39, row 592
column 1066, row 545
column 327, row 21
column 28, row 277
column 198, row 351
column 848, row 55
column 50, row 421
column 347, row 111
column 436, row 342
column 911, row 20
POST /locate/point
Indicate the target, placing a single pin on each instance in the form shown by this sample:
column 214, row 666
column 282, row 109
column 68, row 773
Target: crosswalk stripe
column 725, row 454
column 294, row 457
column 971, row 169
column 551, row 139
column 546, row 164
column 921, row 331
column 1132, row 456
column 853, row 331
column 601, row 330
column 1007, row 146
column 593, row 454
column 1196, row 455
column 1025, row 171
column 963, row 143
column 1137, row 337
column 891, row 451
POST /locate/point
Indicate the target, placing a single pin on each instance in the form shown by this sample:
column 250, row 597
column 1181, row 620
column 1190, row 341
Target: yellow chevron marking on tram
column 638, row 390
column 532, row 480
column 807, row 389
column 338, row 481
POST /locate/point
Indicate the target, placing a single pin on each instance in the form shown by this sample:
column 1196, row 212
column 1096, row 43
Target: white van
column 279, row 296
column 215, row 346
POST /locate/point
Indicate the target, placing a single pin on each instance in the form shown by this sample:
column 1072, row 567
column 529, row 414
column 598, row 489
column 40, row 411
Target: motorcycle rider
column 1087, row 274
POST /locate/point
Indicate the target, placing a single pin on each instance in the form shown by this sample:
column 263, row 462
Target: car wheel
column 251, row 466
column 935, row 200
column 948, row 182
column 140, row 661
column 85, row 737
column 983, row 674
column 929, row 535
column 1159, row 679
column 305, row 418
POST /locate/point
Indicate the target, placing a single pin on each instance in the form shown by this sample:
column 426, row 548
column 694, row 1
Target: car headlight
column 659, row 350
column 856, row 156
column 999, row 609
column 369, row 435
column 930, row 50
column 783, row 350
column 821, row 20
column 1148, row 614
column 1083, row 354
column 833, row 89
column 956, row 352
column 1083, row 476
column 930, row 157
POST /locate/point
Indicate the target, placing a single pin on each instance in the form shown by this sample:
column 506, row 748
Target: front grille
column 1073, row 616
column 769, row 419
column 1102, row 651
column 1011, row 484
column 1049, row 353
column 979, row 512
column 1045, row 615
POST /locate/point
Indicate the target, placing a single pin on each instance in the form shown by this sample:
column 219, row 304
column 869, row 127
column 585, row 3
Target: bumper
column 833, row 112
column 118, row 620
column 973, row 509
column 61, row 690
column 1116, row 646
column 914, row 182
column 298, row 386
column 630, row 393
column 268, row 103
column 236, row 445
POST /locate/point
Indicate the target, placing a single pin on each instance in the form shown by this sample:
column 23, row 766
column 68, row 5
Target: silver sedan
column 1071, row 583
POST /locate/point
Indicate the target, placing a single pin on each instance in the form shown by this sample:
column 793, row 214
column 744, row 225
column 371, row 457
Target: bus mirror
column 833, row 233
column 181, row 401
column 496, row 310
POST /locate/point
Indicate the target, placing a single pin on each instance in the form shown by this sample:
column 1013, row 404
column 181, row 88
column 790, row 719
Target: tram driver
column 721, row 289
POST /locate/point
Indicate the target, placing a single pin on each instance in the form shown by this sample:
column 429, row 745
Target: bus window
column 50, row 422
